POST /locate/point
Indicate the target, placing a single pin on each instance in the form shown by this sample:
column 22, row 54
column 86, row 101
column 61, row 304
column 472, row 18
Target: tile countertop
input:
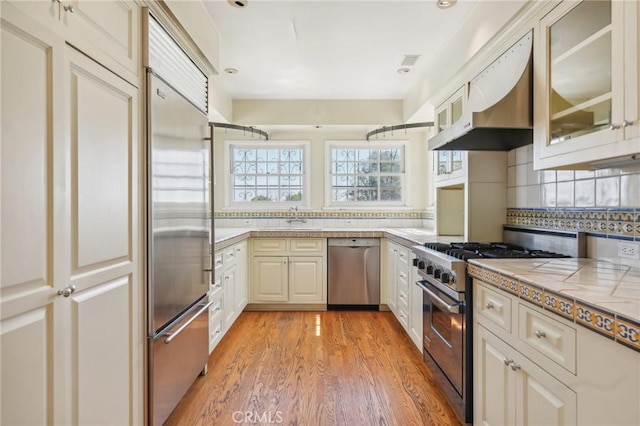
column 225, row 236
column 600, row 295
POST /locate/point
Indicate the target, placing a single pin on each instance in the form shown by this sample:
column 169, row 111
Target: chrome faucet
column 295, row 217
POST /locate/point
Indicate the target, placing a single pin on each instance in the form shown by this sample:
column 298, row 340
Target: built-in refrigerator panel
column 179, row 208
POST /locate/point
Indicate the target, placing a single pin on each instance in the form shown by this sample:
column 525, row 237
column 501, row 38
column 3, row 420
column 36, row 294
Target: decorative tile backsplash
column 326, row 219
column 603, row 203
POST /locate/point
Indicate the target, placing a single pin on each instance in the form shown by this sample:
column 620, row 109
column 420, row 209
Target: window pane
column 267, row 174
column 364, row 172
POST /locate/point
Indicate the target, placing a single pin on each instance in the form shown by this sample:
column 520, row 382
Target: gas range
column 447, row 300
column 444, row 264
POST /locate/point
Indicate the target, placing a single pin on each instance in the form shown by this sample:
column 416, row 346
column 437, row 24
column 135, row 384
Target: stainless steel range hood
column 498, row 114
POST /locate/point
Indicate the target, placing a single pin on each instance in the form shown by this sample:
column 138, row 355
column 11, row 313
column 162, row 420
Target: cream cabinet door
column 106, row 30
column 270, row 278
column 69, row 224
column 392, row 276
column 494, row 393
column 240, row 292
column 103, row 320
column 306, row 281
column 415, row 309
column 34, row 234
column 229, row 283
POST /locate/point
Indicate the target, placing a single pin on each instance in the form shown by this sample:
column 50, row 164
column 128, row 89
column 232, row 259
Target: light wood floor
column 315, row 368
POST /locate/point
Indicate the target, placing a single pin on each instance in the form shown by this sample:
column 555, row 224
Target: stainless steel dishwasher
column 354, row 273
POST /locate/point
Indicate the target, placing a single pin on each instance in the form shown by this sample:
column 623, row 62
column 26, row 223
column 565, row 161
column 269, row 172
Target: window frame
column 267, row 205
column 367, row 205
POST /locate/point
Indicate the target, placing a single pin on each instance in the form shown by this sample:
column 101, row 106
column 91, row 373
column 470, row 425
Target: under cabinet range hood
column 498, row 113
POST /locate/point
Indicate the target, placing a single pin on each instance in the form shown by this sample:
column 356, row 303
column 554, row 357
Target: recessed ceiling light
column 403, row 70
column 445, row 4
column 231, row 71
column 238, row 3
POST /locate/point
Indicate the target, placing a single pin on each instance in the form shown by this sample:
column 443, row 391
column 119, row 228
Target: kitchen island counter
column 599, row 295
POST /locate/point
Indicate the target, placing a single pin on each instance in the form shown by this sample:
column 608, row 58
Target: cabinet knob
column 540, row 334
column 514, row 366
column 66, row 292
column 627, row 123
column 489, row 305
column 508, row 361
column 69, row 8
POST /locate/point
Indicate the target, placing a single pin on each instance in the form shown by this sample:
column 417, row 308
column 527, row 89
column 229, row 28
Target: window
column 366, row 174
column 267, row 173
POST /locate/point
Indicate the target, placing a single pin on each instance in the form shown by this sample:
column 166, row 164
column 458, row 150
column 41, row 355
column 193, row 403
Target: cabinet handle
column 226, row 278
column 219, row 262
column 218, row 285
column 614, row 126
column 540, row 334
column 69, row 8
column 627, row 123
column 489, row 305
column 66, row 292
column 508, row 361
column 514, row 366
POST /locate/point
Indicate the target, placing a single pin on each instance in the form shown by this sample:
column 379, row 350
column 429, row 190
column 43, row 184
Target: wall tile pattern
column 327, row 219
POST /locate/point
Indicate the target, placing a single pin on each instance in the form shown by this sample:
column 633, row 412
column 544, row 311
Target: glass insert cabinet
column 587, row 68
column 449, row 164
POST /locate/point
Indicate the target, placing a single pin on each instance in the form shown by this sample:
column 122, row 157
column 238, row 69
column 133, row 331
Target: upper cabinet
column 449, row 165
column 107, row 31
column 586, row 85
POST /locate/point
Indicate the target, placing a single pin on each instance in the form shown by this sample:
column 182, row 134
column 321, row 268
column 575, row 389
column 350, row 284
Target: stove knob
column 430, row 269
column 445, row 277
column 415, row 261
column 421, row 264
column 437, row 272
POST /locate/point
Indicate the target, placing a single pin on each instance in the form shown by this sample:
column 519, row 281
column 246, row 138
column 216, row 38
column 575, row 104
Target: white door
column 69, row 220
column 34, row 246
column 495, row 383
column 229, row 284
column 103, row 321
column 305, row 279
column 270, row 278
column 392, row 276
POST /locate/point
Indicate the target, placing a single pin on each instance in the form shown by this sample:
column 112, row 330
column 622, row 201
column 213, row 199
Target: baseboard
column 285, row 307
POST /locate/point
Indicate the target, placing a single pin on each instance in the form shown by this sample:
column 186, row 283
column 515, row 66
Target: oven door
column 443, row 319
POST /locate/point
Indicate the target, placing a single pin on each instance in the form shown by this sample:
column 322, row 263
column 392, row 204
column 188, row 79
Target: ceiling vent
column 409, row 60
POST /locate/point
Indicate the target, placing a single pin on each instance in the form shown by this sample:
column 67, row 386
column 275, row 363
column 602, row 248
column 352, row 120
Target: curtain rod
column 391, row 129
column 245, row 129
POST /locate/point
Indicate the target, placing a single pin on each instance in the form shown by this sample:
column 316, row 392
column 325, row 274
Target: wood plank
column 315, row 368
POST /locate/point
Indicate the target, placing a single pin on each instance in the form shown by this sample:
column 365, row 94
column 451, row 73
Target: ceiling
column 325, row 49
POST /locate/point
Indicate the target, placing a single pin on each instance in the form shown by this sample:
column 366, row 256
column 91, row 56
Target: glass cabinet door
column 580, row 89
column 442, row 120
column 443, row 162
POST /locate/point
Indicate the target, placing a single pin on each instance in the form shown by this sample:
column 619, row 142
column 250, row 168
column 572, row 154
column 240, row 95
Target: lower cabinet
column 229, row 289
column 515, row 390
column 533, row 367
column 289, row 271
column 403, row 299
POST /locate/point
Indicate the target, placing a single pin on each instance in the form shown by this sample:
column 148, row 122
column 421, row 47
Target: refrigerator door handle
column 171, row 336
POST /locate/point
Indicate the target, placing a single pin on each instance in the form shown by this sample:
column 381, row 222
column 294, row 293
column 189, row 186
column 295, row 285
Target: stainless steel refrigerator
column 179, row 241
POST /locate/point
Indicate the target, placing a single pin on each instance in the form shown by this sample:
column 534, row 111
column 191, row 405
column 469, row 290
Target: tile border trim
column 614, row 223
column 613, row 326
column 315, row 214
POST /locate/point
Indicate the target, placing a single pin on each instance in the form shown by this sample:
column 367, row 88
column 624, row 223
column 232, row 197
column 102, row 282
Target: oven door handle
column 438, row 300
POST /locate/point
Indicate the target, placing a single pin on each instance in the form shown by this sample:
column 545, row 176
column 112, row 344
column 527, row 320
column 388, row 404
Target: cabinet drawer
column 217, row 260
column 229, row 255
column 215, row 309
column 216, row 285
column 548, row 336
column 216, row 329
column 269, row 245
column 403, row 300
column 307, row 245
column 494, row 306
column 403, row 317
column 403, row 258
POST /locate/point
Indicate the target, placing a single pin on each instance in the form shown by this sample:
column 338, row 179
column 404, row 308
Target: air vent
column 409, row 60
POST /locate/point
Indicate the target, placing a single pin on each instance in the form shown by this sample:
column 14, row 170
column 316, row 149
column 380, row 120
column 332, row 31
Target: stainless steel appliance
column 447, row 300
column 178, row 229
column 354, row 273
